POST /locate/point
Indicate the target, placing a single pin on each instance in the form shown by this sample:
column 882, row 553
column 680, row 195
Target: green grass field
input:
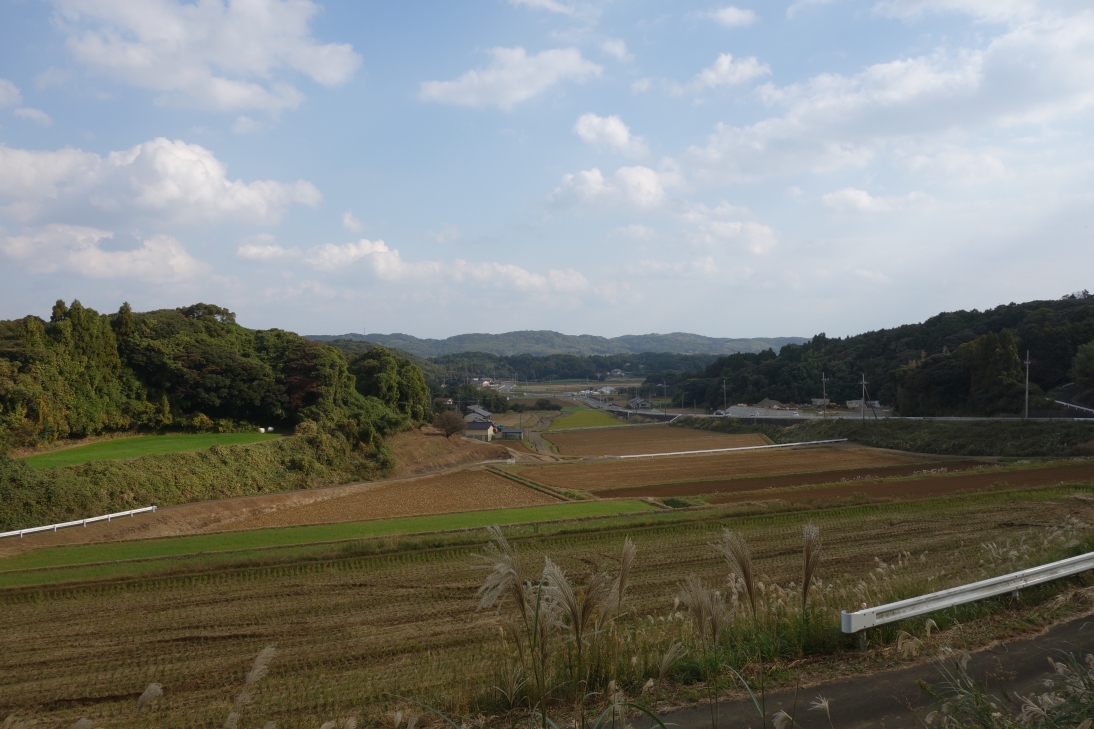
column 185, row 551
column 122, row 448
column 584, row 418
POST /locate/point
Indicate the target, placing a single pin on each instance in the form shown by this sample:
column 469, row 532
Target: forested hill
column 956, row 363
column 547, row 342
column 192, row 369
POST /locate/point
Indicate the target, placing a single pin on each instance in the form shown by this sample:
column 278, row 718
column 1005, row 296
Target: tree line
column 956, row 363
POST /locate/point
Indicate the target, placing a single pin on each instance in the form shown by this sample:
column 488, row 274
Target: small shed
column 510, row 433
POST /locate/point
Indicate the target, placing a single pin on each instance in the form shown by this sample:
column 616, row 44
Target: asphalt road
column 888, row 699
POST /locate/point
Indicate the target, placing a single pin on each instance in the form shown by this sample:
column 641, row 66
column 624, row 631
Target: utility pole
column 724, row 401
column 1027, row 385
column 824, row 395
column 863, row 401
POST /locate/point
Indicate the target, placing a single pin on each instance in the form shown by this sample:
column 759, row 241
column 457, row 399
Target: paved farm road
column 883, row 699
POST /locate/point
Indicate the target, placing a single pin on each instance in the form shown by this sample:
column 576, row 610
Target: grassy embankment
column 85, row 562
column 1005, row 438
column 31, row 497
column 123, row 448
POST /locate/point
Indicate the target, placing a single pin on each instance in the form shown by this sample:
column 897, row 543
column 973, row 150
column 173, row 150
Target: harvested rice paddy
column 636, row 439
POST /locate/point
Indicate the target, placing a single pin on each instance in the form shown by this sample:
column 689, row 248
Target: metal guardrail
column 869, row 617
column 79, row 522
column 1073, row 405
column 738, row 448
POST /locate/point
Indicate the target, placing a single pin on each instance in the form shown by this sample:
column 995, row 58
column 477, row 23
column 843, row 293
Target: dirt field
column 924, row 487
column 421, row 451
column 468, row 490
column 736, row 485
column 646, row 472
column 645, row 439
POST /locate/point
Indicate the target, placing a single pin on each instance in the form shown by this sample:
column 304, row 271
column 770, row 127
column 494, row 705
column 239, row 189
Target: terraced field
column 352, row 630
column 713, row 467
column 637, row 439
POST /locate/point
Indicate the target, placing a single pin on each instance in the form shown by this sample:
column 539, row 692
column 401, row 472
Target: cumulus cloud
column 163, row 180
column 388, row 264
column 733, row 17
column 351, row 223
column 215, row 54
column 513, row 77
column 261, row 248
column 610, row 132
column 77, row 249
column 639, row 187
column 37, row 116
column 852, row 199
column 549, row 5
column 725, row 72
column 9, row 94
column 1035, row 73
column 635, row 231
column 617, row 49
column 795, row 8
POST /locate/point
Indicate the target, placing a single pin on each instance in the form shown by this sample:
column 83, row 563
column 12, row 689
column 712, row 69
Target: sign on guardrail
column 79, row 522
column 910, row 608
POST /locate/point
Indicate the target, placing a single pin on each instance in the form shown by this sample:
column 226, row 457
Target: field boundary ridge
column 738, row 448
column 529, row 483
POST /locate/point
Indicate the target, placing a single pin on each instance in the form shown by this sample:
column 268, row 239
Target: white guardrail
column 79, row 522
column 738, row 448
column 869, row 617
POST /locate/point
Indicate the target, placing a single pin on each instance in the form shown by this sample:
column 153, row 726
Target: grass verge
column 121, row 448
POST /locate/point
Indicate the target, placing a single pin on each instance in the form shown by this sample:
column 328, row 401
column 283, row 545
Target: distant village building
column 639, row 403
column 480, row 382
column 617, row 373
column 443, row 401
column 857, row 404
column 606, row 391
column 476, row 414
column 769, row 403
column 821, row 401
column 480, row 430
column 510, row 433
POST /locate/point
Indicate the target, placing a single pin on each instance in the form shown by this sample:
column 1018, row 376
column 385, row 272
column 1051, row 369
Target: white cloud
column 794, row 9
column 262, row 248
column 246, row 125
column 513, row 77
column 610, row 132
column 725, row 72
column 37, row 116
column 351, row 223
column 77, row 249
column 639, row 187
column 852, row 199
column 447, row 234
column 168, row 181
column 641, row 86
column 51, row 77
column 637, row 231
column 617, row 49
column 548, row 5
column 729, row 225
column 214, row 54
column 992, row 11
column 733, row 17
column 9, row 94
column 388, row 264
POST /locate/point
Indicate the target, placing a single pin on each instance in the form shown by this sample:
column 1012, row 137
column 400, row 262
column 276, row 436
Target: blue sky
column 607, row 168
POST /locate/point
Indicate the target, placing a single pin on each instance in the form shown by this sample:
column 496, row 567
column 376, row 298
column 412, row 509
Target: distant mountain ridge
column 547, row 342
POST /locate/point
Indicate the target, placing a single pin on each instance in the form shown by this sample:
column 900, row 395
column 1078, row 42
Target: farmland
column 710, row 467
column 120, row 448
column 628, row 440
column 351, row 628
column 583, row 418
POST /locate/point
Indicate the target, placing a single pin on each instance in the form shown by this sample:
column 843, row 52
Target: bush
column 545, row 404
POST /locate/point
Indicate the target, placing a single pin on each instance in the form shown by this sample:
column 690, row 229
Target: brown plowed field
column 426, row 449
column 736, row 485
column 714, row 467
column 646, row 439
column 925, row 487
column 460, row 491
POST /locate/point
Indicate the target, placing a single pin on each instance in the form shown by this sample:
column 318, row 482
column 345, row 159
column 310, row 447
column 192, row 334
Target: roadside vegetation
column 1006, row 438
column 122, row 448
